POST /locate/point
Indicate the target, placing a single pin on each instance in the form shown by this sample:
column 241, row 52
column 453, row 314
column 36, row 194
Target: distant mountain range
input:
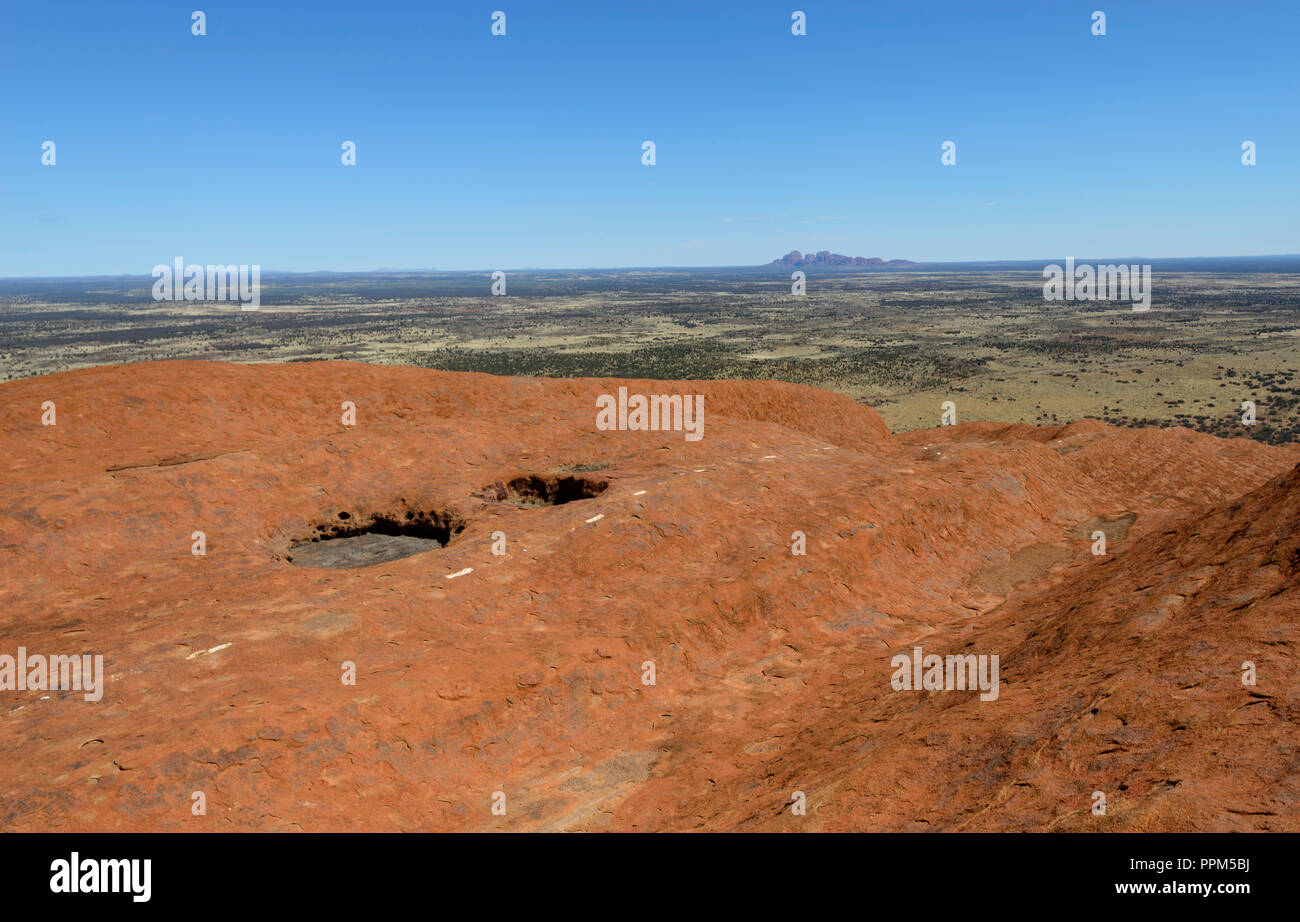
column 826, row 258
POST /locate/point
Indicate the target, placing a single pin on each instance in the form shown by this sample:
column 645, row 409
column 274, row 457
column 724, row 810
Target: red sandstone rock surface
column 1119, row 673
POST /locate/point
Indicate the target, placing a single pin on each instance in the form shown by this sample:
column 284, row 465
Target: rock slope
column 611, row 630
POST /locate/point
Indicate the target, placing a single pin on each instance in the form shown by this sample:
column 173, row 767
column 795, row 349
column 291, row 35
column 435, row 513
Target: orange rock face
column 576, row 628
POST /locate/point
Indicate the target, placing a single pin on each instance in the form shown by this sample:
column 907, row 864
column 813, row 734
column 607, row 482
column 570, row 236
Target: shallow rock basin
column 358, row 551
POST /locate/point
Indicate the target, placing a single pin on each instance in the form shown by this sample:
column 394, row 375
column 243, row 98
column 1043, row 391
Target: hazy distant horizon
column 1027, row 264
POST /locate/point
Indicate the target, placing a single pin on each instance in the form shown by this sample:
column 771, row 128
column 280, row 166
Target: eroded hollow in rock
column 351, row 541
column 536, row 490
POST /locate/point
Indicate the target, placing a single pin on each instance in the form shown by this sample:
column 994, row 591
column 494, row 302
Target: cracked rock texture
column 524, row 672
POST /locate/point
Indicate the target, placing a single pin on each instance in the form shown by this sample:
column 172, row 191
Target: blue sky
column 483, row 152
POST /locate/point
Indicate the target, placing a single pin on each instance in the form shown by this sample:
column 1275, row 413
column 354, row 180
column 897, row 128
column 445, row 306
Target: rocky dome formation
column 512, row 690
column 825, row 258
